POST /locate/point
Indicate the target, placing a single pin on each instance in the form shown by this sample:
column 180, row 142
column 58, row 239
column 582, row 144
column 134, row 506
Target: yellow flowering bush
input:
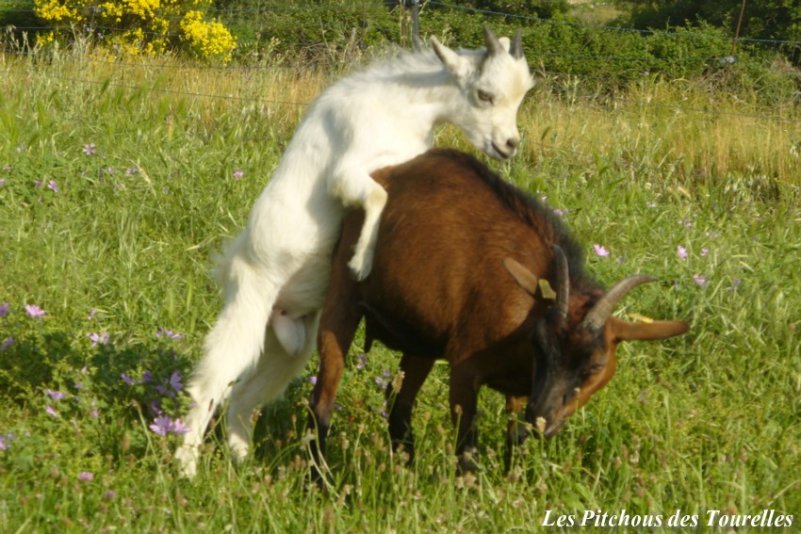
column 135, row 27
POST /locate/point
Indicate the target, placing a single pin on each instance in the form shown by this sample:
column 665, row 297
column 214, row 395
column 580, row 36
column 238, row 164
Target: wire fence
column 568, row 80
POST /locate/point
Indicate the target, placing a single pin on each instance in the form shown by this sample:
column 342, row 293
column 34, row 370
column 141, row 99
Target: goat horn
column 597, row 316
column 562, row 281
column 494, row 46
column 516, row 50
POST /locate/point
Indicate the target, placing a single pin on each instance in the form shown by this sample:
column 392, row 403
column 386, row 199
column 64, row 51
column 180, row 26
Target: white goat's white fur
column 277, row 270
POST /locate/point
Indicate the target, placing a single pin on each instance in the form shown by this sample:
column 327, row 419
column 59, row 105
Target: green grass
column 707, row 421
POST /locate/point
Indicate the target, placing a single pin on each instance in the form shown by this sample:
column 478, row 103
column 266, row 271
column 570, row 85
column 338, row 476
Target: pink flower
column 704, row 252
column 34, row 311
column 86, row 476
column 55, row 395
column 699, row 279
column 238, row 174
column 600, row 250
column 53, row 186
column 681, row 252
column 49, row 409
column 5, row 308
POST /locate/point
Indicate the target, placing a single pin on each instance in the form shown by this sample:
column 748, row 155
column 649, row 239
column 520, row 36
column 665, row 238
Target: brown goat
column 458, row 274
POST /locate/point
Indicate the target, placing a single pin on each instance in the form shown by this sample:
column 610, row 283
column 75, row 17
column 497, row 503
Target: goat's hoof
column 187, row 461
column 360, row 268
column 465, row 464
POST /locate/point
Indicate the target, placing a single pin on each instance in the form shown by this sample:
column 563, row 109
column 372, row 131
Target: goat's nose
column 512, row 142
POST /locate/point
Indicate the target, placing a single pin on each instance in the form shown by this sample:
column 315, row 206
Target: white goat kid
column 278, row 268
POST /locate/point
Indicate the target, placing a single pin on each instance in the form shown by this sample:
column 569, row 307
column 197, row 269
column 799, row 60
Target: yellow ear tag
column 640, row 318
column 546, row 290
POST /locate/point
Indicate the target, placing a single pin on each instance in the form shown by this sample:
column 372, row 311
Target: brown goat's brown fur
column 442, row 286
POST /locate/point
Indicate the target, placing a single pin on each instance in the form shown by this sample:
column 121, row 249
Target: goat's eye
column 485, row 96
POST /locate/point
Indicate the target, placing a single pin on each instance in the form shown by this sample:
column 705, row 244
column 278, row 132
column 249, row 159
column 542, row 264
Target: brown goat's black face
column 585, row 363
column 573, row 361
column 580, row 364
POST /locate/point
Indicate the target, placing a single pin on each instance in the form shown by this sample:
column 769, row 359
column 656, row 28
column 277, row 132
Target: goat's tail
column 233, row 346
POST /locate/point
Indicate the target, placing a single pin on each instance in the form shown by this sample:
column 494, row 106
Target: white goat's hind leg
column 357, row 188
column 231, row 348
column 275, row 371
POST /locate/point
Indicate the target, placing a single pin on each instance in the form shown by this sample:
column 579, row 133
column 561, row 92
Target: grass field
column 121, row 180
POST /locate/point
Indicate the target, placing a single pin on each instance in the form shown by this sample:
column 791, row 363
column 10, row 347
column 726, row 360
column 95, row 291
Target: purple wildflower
column 699, row 279
column 130, row 171
column 90, row 149
column 600, row 250
column 110, row 495
column 55, row 395
column 99, row 339
column 7, row 342
column 175, row 381
column 38, row 183
column 95, row 413
column 127, row 379
column 5, row 309
column 313, row 380
column 178, row 427
column 49, row 409
column 86, row 476
column 3, row 444
column 146, row 377
column 166, row 332
column 362, row 361
column 238, row 174
column 53, row 186
column 7, row 168
column 681, row 252
column 704, row 252
column 34, row 311
column 110, row 170
column 161, row 425
column 91, row 314
column 2, row 182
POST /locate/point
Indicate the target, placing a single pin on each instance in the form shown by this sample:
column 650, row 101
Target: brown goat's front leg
column 463, row 401
column 516, row 432
column 415, row 370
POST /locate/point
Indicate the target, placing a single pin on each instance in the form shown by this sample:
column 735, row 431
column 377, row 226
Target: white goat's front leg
column 354, row 187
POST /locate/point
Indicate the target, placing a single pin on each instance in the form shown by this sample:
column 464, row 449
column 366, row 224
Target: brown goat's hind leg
column 516, row 432
column 337, row 328
column 415, row 370
column 463, row 401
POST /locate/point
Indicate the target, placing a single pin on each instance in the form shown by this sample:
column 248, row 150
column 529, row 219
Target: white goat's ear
column 457, row 65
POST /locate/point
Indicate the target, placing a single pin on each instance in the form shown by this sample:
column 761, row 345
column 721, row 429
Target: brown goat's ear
column 626, row 331
column 522, row 276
